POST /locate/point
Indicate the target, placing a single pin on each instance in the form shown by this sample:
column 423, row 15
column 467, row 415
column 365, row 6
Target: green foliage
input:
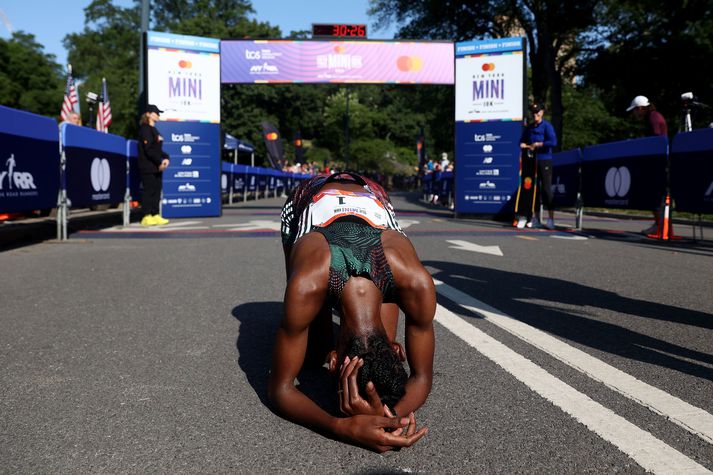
column 655, row 49
column 29, row 79
column 108, row 47
column 587, row 121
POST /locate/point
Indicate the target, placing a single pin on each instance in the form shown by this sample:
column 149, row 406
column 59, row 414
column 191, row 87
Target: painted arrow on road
column 470, row 246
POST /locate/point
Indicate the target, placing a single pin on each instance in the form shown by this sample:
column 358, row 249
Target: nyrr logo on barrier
column 101, row 178
column 14, row 183
column 617, row 184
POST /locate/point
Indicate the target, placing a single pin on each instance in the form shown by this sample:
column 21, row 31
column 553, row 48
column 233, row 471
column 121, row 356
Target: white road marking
column 470, row 246
column 134, row 227
column 648, row 451
column 571, row 237
column 691, row 418
column 407, row 223
column 251, row 225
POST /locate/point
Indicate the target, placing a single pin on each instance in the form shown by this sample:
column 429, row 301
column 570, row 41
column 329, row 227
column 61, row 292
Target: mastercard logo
column 528, row 183
column 271, row 136
column 339, row 49
column 409, row 64
column 489, row 67
column 183, row 64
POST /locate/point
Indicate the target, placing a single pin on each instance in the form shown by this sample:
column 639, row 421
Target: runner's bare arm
column 417, row 299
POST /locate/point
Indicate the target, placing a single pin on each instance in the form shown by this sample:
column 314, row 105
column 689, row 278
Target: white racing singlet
column 332, row 204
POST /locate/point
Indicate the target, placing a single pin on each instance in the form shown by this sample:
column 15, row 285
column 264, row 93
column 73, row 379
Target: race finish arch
column 184, row 74
column 490, row 95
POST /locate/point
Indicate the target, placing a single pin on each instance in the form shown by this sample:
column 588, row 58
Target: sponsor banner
column 489, row 85
column 29, row 161
column 191, row 183
column 135, row 185
column 628, row 174
column 239, row 173
column 184, row 77
column 251, row 179
column 489, row 92
column 264, row 61
column 262, row 179
column 487, row 166
column 95, row 170
column 565, row 177
column 226, row 172
column 692, row 171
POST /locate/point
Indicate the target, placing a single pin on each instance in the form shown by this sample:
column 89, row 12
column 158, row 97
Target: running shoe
column 159, row 220
column 149, row 220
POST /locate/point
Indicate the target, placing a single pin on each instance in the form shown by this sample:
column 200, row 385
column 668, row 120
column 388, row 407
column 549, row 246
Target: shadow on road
column 684, row 245
column 508, row 292
column 258, row 323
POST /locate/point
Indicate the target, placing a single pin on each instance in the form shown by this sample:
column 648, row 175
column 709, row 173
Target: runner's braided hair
column 382, row 367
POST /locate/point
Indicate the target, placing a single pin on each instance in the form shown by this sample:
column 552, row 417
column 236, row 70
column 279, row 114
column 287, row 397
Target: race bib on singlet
column 329, row 205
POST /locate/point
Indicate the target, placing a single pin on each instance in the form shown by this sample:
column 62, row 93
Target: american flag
column 71, row 99
column 104, row 110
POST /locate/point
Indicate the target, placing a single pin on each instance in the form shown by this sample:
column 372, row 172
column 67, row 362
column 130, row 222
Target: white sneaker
column 521, row 222
column 550, row 224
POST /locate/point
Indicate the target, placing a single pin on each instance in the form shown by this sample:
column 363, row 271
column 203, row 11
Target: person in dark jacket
column 152, row 162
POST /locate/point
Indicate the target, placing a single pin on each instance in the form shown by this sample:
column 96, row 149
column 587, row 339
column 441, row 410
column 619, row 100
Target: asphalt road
column 128, row 350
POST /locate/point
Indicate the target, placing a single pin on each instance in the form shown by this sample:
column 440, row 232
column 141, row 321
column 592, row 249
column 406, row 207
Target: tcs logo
column 252, row 54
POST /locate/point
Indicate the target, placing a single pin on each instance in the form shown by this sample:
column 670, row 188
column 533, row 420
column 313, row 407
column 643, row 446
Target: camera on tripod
column 689, row 102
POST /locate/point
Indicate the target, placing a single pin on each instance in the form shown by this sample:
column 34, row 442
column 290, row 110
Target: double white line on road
column 648, row 451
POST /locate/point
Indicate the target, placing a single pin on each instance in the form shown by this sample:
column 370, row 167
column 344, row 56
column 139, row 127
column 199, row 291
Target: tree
column 108, row 47
column 29, row 79
column 656, row 49
column 109, row 44
column 553, row 30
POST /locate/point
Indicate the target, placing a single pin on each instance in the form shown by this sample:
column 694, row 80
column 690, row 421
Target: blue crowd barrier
column 242, row 179
column 566, row 172
column 692, row 171
column 440, row 185
column 95, row 166
column 29, row 161
column 134, row 175
column 627, row 174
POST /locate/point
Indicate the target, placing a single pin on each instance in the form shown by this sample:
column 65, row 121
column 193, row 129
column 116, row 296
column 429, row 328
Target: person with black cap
column 539, row 137
column 152, row 162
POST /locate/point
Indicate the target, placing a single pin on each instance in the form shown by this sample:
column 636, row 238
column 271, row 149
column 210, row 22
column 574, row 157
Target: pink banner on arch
column 280, row 61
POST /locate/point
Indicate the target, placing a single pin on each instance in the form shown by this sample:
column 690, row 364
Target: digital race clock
column 338, row 30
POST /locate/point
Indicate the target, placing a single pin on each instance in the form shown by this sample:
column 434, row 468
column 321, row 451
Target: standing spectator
column 444, row 161
column 539, row 136
column 642, row 109
column 73, row 118
column 152, row 162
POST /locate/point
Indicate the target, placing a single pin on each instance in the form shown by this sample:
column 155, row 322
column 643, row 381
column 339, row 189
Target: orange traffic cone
column 665, row 228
